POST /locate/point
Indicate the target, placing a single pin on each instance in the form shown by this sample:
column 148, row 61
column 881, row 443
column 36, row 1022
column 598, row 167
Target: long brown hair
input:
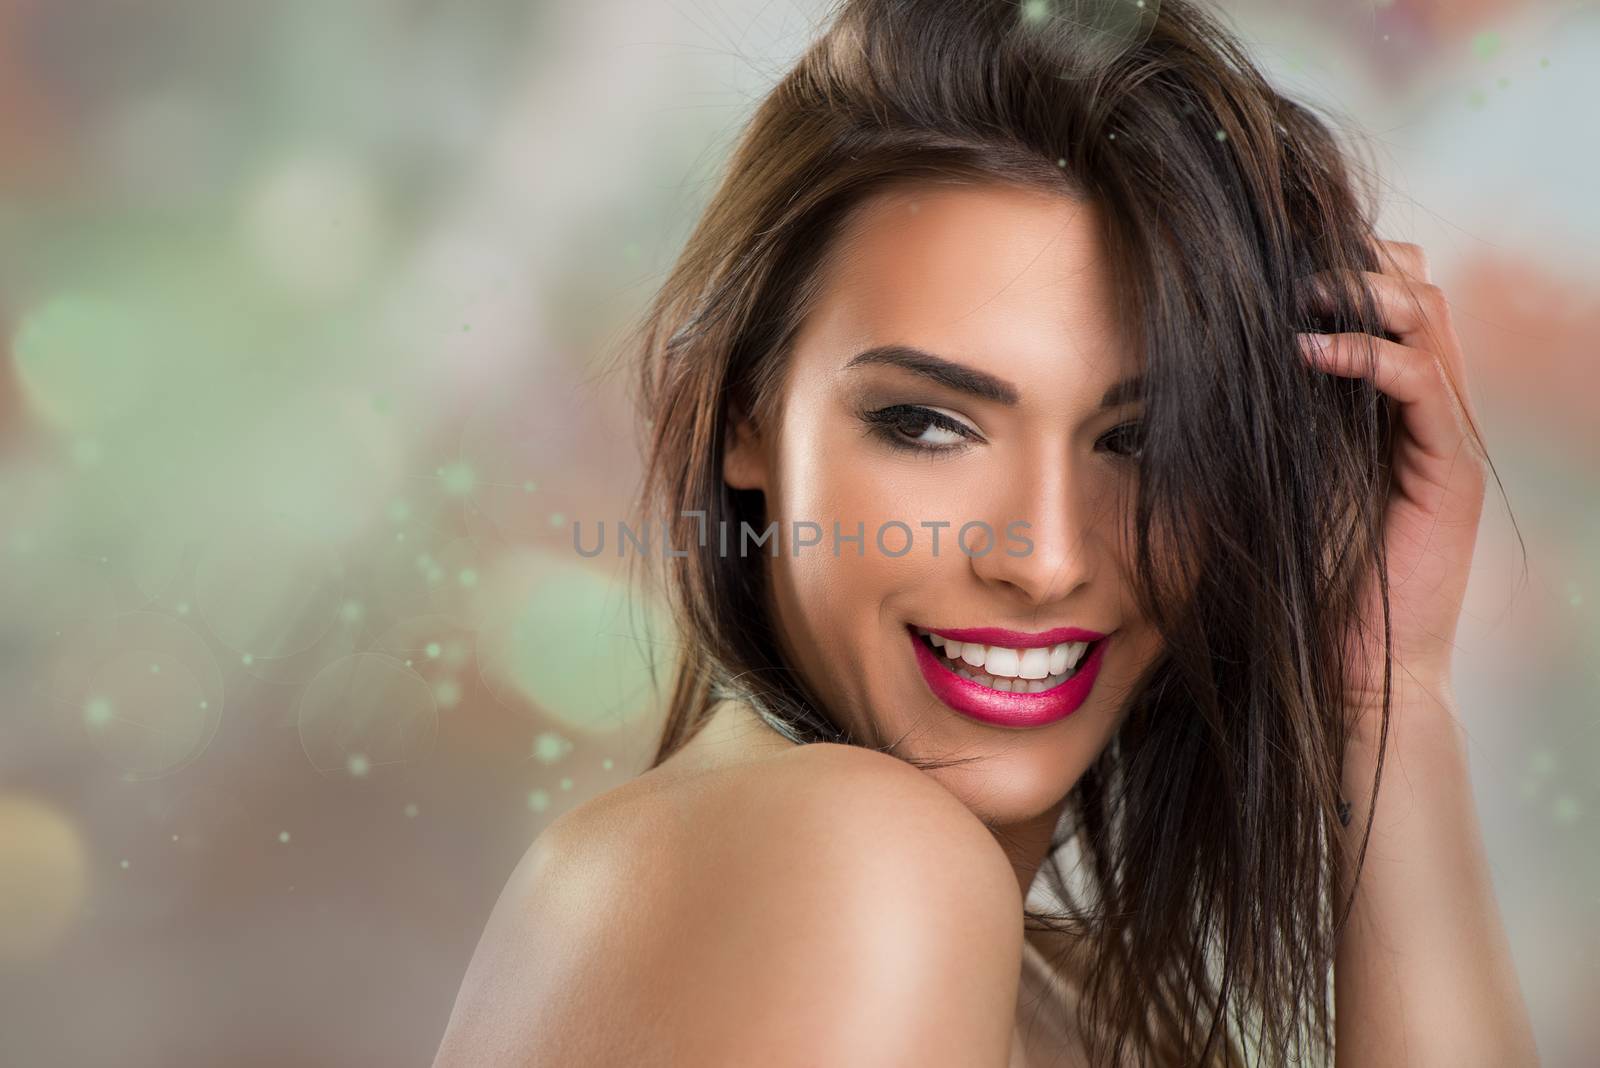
column 1204, row 903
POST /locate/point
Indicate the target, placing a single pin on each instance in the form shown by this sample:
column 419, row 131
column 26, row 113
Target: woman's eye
column 912, row 426
column 1127, row 439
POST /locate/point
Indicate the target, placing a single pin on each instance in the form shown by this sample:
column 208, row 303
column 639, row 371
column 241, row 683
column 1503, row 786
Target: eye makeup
column 918, row 428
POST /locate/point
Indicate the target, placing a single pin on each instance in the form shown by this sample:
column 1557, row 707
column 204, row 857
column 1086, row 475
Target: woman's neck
column 732, row 734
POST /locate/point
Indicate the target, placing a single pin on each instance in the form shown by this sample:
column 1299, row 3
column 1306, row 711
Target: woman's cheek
column 878, row 501
column 892, row 492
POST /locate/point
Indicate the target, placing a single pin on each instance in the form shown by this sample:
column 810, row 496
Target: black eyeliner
column 882, row 423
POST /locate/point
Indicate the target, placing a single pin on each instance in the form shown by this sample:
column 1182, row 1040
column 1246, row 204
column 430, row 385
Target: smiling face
column 960, row 366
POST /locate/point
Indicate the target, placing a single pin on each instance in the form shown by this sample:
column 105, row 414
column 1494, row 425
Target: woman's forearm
column 1424, row 973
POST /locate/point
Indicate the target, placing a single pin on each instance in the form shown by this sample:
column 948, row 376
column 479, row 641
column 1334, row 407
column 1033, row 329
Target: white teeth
column 1008, row 669
column 1035, row 664
column 1009, row 685
column 1000, row 661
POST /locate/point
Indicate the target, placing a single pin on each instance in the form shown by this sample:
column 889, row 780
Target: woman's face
column 989, row 411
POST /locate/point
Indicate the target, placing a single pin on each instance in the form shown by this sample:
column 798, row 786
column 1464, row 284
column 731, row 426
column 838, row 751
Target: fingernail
column 1313, row 343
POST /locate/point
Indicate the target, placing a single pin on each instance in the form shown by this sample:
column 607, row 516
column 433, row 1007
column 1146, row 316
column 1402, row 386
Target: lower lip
column 1003, row 709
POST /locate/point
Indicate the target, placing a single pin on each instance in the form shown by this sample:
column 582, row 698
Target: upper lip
column 1017, row 639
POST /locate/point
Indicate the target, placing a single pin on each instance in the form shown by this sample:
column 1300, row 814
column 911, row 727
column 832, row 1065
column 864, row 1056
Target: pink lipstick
column 988, row 705
column 1018, row 639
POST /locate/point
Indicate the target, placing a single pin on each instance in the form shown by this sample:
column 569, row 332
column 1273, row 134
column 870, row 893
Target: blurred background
column 310, row 315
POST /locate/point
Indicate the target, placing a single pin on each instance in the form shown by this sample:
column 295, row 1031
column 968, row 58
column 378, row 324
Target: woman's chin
column 1010, row 786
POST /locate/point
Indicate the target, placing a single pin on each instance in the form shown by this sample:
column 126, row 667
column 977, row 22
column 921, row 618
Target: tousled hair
column 1204, row 909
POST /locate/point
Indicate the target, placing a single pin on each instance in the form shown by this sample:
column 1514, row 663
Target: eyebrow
column 966, row 379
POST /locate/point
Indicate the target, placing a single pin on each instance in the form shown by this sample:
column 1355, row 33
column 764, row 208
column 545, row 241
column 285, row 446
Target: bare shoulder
column 820, row 905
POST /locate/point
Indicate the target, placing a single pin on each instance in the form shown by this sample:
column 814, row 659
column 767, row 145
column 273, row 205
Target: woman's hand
column 1438, row 478
column 1424, row 973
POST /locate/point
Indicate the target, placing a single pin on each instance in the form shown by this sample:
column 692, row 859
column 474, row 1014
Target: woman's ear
column 744, row 458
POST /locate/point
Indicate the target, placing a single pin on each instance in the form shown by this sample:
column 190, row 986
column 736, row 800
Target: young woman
column 1125, row 488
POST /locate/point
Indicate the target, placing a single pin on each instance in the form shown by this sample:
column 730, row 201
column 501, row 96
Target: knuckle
column 1432, row 296
column 1410, row 256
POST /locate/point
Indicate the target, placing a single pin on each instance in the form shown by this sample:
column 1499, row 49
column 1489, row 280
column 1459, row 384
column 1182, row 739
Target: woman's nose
column 1044, row 543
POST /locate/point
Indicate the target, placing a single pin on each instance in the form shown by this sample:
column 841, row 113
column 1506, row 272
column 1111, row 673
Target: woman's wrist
column 1424, row 731
column 1423, row 712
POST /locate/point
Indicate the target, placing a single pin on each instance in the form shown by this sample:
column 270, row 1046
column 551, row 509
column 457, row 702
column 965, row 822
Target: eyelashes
column 913, row 428
column 904, row 426
column 1131, row 431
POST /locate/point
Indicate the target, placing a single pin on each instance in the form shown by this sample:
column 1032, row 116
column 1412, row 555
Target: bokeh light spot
column 458, row 479
column 98, row 712
column 155, row 721
column 550, row 747
column 368, row 705
column 83, row 361
column 573, row 642
column 143, row 684
column 314, row 225
column 43, row 876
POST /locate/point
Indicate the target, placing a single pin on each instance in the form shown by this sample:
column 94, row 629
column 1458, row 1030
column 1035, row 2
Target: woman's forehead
column 1003, row 276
